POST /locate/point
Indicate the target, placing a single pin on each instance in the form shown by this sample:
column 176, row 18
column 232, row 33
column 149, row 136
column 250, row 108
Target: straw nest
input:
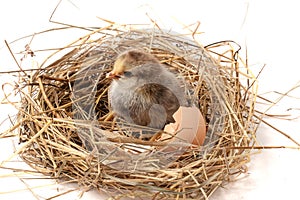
column 70, row 134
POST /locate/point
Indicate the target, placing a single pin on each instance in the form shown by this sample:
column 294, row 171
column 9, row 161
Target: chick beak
column 113, row 75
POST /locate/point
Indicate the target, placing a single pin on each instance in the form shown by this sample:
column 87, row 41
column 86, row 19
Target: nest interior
column 66, row 122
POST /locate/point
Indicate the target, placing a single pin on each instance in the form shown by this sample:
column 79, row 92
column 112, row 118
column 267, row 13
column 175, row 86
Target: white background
column 269, row 29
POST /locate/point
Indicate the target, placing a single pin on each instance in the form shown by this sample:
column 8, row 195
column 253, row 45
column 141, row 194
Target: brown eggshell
column 189, row 126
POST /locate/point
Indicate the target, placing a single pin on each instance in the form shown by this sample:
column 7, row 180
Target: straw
column 67, row 129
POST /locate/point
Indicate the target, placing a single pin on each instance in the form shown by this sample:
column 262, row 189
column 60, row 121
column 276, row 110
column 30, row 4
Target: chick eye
column 127, row 74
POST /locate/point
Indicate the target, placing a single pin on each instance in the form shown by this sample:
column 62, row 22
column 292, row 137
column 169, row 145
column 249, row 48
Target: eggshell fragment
column 189, row 126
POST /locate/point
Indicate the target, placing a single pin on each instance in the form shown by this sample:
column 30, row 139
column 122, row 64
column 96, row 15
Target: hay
column 68, row 132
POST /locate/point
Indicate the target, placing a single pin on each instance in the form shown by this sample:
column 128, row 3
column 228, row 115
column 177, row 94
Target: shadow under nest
column 66, row 103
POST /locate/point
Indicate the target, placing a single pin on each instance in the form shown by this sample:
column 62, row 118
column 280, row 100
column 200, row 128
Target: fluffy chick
column 143, row 91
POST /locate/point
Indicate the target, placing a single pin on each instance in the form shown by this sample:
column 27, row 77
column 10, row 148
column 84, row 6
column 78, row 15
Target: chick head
column 129, row 60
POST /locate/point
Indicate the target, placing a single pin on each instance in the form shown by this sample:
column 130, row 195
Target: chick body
column 144, row 92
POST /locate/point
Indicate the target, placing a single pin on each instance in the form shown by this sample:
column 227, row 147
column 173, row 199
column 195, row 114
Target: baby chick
column 143, row 91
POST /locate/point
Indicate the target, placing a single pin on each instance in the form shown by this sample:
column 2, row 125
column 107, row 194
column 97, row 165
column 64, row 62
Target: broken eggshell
column 189, row 127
